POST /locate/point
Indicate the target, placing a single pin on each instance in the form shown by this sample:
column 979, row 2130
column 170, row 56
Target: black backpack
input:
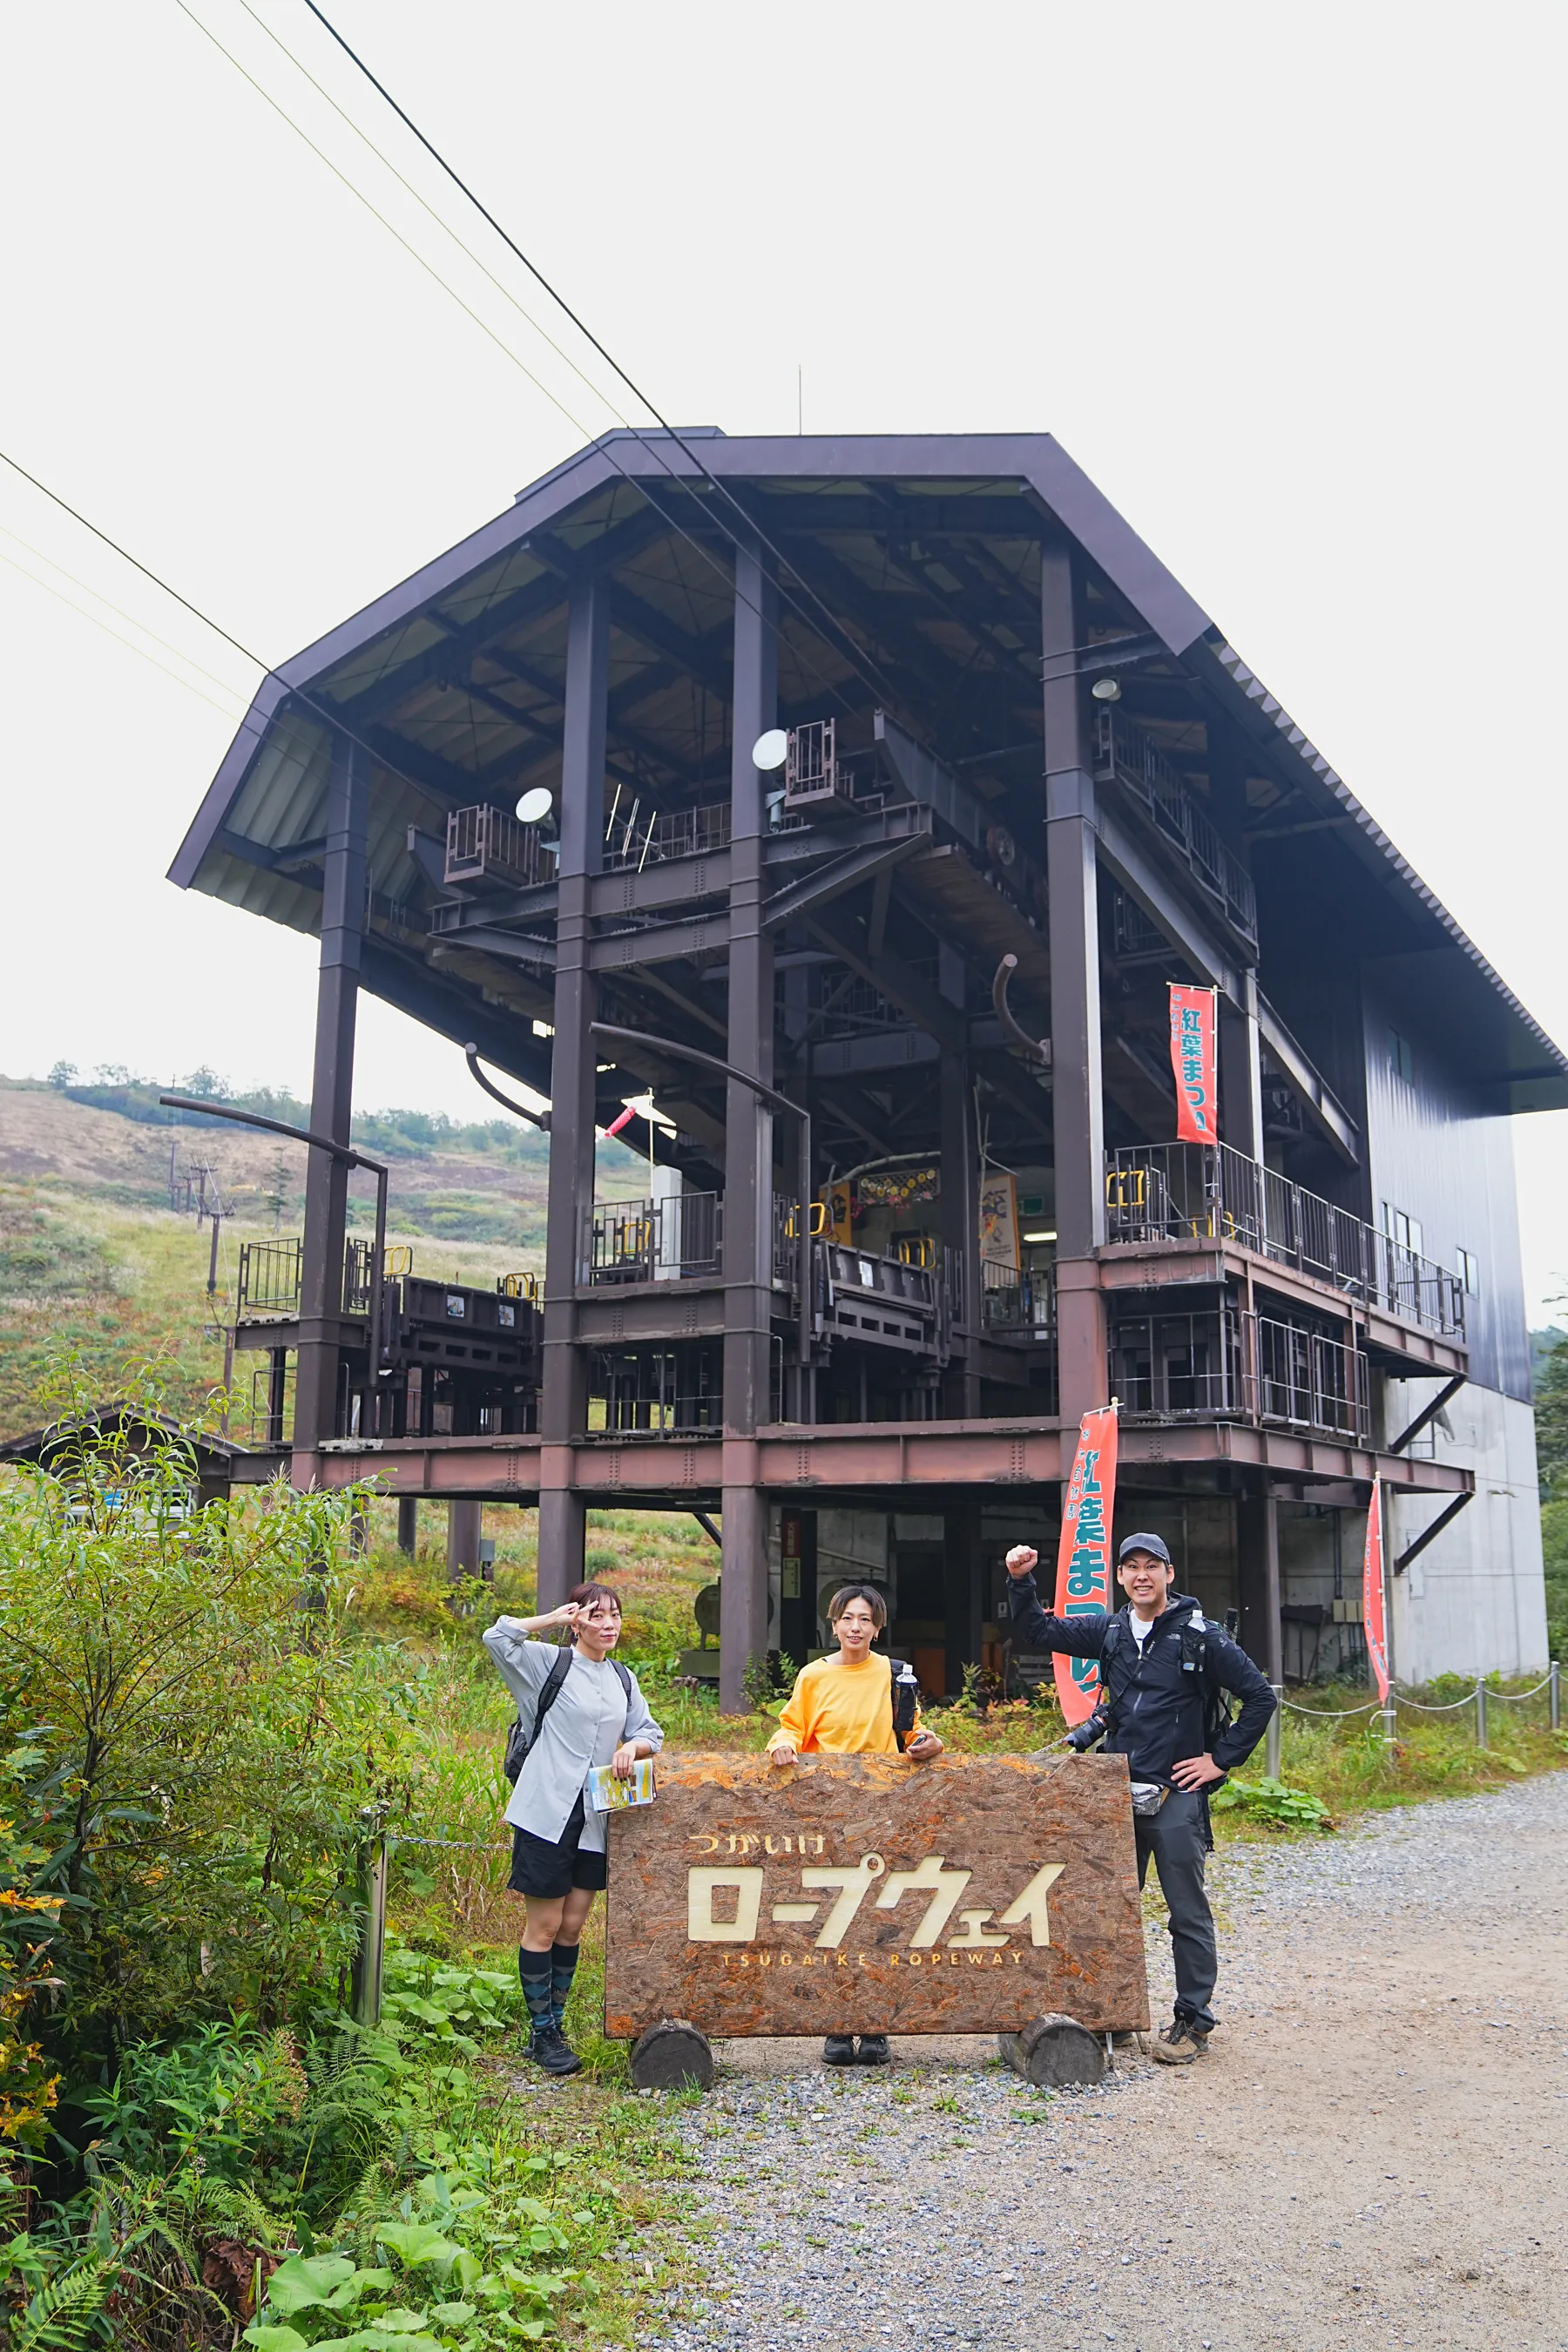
column 518, row 1742
column 1198, row 1658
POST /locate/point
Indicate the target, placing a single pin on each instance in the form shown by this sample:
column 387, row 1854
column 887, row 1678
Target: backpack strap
column 521, row 1742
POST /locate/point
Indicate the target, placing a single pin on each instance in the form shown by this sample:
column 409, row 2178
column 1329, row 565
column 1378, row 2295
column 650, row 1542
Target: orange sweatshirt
column 842, row 1709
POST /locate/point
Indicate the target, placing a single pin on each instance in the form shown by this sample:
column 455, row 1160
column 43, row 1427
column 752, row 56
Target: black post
column 332, row 1106
column 959, row 1197
column 748, row 1146
column 563, row 1400
column 1077, row 1116
column 408, row 1525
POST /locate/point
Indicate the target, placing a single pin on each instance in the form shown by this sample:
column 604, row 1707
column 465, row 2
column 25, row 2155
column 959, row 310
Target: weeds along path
column 1374, row 2152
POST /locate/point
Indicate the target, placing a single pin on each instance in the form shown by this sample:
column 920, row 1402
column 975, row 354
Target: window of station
column 1470, row 1271
column 1404, row 1231
column 1401, row 1060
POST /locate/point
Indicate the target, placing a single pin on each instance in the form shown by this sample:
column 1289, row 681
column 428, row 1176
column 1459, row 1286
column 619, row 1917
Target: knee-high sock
column 534, row 1969
column 562, row 1969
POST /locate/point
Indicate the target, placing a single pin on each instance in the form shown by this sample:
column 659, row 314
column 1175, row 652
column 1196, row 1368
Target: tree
column 64, row 1074
column 214, row 1748
column 1552, row 1422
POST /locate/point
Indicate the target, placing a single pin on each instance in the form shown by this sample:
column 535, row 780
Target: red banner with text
column 1372, row 1596
column 1194, row 1059
column 1085, row 1579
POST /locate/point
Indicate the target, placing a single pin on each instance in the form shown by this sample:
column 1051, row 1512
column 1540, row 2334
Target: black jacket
column 1157, row 1709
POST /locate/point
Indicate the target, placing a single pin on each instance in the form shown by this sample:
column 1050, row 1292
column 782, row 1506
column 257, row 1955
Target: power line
column 880, row 686
column 753, row 529
column 130, row 647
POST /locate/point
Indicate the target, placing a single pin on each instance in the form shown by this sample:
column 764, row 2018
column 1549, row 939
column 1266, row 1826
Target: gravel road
column 1373, row 2151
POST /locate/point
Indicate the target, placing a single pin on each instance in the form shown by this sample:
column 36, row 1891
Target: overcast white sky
column 1286, row 282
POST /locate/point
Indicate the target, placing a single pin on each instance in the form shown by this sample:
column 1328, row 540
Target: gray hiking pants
column 1177, row 1837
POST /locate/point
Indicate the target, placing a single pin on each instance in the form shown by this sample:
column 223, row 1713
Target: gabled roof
column 388, row 672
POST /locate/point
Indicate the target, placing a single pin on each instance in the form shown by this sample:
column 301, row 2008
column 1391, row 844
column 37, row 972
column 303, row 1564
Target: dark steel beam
column 563, row 1397
column 1429, row 1412
column 332, row 1107
column 1430, row 1535
column 847, row 873
column 453, row 651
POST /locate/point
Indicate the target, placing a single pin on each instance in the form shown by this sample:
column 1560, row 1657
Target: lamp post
column 349, row 1159
column 775, row 1102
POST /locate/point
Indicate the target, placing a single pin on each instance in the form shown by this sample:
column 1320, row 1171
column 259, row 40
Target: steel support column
column 1078, row 1113
column 960, row 1201
column 563, row 1399
column 316, row 1384
column 408, row 1525
column 1240, row 1072
column 1257, row 1547
column 463, row 1521
column 748, row 1143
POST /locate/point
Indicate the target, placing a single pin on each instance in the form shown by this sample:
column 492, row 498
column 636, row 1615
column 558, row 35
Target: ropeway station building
column 915, row 1206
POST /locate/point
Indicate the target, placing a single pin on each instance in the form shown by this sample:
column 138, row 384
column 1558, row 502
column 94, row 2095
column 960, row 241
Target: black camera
column 1090, row 1731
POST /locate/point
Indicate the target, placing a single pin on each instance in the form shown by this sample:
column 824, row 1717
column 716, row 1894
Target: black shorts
column 549, row 1868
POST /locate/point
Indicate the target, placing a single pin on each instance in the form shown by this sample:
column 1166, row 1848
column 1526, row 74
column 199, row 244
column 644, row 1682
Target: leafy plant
column 1274, row 1802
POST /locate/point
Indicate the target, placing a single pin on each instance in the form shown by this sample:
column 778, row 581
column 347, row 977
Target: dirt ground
column 1374, row 2151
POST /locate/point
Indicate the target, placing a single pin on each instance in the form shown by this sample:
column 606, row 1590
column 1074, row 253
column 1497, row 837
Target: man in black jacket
column 1161, row 1670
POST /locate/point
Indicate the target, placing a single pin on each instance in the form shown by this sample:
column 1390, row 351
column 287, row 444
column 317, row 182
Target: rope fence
column 1387, row 1713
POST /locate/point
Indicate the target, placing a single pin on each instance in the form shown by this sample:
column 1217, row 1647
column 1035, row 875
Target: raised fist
column 1021, row 1559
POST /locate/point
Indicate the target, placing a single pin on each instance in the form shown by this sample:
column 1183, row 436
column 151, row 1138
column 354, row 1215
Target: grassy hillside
column 94, row 1263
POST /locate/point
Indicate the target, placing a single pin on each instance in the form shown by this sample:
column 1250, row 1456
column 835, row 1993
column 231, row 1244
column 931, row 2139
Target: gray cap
column 1154, row 1544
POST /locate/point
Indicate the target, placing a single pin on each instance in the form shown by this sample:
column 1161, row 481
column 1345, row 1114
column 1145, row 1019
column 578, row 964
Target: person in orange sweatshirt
column 856, row 1703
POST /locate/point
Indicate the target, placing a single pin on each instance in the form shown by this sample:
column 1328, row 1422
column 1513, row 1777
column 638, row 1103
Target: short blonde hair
column 865, row 1592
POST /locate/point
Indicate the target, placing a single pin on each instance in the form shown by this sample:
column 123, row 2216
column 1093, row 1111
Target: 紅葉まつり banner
column 1194, row 1061
column 1085, row 1583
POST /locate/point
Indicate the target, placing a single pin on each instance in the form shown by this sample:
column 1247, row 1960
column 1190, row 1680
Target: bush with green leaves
column 217, row 1743
column 1273, row 1802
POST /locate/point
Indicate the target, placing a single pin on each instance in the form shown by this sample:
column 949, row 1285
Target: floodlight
column 771, row 751
column 1105, row 689
column 535, row 804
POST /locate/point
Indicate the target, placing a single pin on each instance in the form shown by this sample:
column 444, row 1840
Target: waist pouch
column 1147, row 1796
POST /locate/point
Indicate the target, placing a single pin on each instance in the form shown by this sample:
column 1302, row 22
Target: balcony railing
column 1125, row 754
column 1019, row 1304
column 653, row 841
column 653, row 1241
column 1215, row 1363
column 487, row 845
column 271, row 1274
column 1195, row 1191
column 1310, row 1382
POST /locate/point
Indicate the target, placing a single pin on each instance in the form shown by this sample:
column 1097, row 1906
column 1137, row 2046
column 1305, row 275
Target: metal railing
column 1124, row 754
column 1210, row 1361
column 679, row 833
column 1310, row 1382
column 485, row 844
column 269, row 1276
column 1197, row 1191
column 652, row 1240
column 1018, row 1302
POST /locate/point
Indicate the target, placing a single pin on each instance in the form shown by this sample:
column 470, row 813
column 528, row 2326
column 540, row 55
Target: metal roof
column 401, row 675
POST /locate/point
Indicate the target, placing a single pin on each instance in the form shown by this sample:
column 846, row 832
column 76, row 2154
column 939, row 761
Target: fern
column 63, row 2316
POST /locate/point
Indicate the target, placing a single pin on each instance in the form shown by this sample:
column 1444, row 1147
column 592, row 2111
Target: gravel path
column 1370, row 2153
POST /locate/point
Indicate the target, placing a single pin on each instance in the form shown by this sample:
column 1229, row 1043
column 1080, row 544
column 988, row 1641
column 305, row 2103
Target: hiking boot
column 549, row 2048
column 839, row 2049
column 873, row 2050
column 1179, row 2044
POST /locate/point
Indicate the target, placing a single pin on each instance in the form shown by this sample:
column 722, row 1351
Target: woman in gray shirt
column 597, row 1716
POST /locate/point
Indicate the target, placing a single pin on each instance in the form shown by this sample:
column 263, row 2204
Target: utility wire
column 842, row 637
column 98, row 596
column 753, row 528
column 119, row 639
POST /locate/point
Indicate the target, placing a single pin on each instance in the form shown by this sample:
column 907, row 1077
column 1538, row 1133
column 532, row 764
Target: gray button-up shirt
column 589, row 1718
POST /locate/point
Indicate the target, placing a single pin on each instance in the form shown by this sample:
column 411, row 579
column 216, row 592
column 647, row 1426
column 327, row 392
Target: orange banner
column 1085, row 1578
column 1194, row 1061
column 1372, row 1600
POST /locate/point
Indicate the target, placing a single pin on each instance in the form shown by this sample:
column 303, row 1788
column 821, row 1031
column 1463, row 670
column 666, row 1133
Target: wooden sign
column 864, row 1894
